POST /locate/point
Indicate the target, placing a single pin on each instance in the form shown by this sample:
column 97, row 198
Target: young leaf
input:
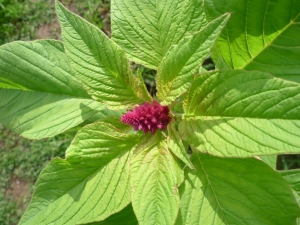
column 175, row 72
column 261, row 35
column 90, row 185
column 40, row 96
column 175, row 145
column 99, row 63
column 242, row 114
column 155, row 177
column 233, row 191
column 147, row 29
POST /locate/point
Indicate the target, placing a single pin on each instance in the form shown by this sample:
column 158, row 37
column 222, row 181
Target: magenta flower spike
column 148, row 117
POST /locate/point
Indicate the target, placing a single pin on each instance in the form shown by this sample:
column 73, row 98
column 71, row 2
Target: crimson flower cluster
column 148, row 117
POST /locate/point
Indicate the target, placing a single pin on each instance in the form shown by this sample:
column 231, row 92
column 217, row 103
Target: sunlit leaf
column 235, row 191
column 146, row 29
column 99, row 63
column 91, row 184
column 242, row 114
column 155, row 178
column 175, row 72
column 39, row 95
column 261, row 35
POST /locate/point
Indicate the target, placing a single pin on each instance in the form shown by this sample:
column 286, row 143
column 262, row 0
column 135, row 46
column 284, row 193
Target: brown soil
column 18, row 189
column 107, row 25
column 50, row 30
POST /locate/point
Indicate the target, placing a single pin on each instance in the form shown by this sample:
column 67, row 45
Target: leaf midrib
column 269, row 44
column 211, row 187
column 84, row 180
column 122, row 153
column 44, row 71
column 114, row 46
column 201, row 117
column 52, row 93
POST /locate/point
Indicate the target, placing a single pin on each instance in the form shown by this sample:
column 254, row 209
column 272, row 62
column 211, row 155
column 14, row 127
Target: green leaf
column 124, row 217
column 39, row 95
column 99, row 63
column 91, row 184
column 175, row 72
column 109, row 116
column 293, row 178
column 155, row 178
column 235, row 191
column 176, row 146
column 147, row 29
column 271, row 160
column 104, row 114
column 261, row 35
column 241, row 114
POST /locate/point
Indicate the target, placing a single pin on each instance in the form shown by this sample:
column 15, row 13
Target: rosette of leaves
column 112, row 174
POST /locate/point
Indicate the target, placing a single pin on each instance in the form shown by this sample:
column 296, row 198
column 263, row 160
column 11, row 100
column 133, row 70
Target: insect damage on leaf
column 148, row 117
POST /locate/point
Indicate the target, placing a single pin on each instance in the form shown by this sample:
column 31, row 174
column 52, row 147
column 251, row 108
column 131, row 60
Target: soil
column 50, row 30
column 18, row 189
column 107, row 25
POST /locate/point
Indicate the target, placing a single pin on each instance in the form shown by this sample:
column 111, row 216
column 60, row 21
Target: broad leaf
column 293, row 178
column 99, row 63
column 261, row 35
column 175, row 72
column 176, row 146
column 104, row 114
column 147, row 29
column 155, row 178
column 271, row 160
column 40, row 96
column 242, row 114
column 90, row 185
column 235, row 191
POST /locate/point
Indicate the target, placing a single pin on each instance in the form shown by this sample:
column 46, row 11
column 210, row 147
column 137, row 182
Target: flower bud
column 148, row 117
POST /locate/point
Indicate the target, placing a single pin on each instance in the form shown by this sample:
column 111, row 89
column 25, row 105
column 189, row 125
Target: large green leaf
column 241, row 114
column 39, row 95
column 148, row 28
column 235, row 191
column 155, row 178
column 99, row 63
column 293, row 178
column 175, row 72
column 271, row 160
column 90, row 185
column 261, row 35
